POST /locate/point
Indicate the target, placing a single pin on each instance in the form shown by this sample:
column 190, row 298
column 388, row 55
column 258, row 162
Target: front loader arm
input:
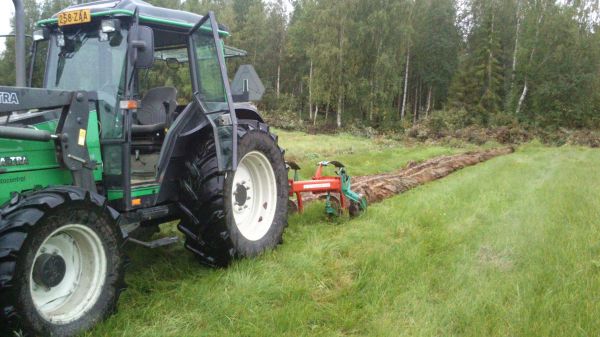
column 23, row 99
column 70, row 134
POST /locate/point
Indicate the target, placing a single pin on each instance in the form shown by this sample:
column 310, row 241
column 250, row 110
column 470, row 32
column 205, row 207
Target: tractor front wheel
column 64, row 269
column 241, row 213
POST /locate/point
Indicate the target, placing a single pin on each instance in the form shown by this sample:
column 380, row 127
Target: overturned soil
column 381, row 186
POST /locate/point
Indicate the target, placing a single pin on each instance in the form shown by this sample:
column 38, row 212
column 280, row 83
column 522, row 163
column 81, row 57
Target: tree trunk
column 406, row 69
column 339, row 112
column 525, row 84
column 522, row 98
column 490, row 56
column 301, row 101
column 511, row 92
column 316, row 114
column 278, row 79
column 310, row 79
column 416, row 106
column 374, row 78
column 340, row 79
column 515, row 50
column 399, row 100
column 371, row 102
column 279, row 66
column 428, row 101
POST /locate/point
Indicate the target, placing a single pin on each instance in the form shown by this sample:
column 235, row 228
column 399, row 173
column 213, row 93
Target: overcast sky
column 7, row 11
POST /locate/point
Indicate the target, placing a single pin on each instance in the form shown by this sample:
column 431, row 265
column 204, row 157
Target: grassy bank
column 362, row 156
column 509, row 247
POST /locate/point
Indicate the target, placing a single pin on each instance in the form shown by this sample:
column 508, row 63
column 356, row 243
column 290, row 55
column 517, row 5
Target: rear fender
column 180, row 140
column 247, row 111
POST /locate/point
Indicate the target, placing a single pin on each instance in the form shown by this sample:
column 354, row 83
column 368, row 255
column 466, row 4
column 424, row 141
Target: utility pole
column 19, row 43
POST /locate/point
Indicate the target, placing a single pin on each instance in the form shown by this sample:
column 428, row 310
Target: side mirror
column 143, row 48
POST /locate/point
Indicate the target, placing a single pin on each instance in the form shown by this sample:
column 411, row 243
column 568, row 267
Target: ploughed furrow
column 381, row 186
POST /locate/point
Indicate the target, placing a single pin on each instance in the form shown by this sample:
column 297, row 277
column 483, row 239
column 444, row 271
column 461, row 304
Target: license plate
column 74, row 17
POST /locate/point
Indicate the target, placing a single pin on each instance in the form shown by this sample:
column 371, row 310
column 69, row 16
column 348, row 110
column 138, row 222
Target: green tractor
column 104, row 151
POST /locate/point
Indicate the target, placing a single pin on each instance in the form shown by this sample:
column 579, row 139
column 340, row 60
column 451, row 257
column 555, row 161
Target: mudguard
column 49, row 198
column 247, row 111
column 185, row 129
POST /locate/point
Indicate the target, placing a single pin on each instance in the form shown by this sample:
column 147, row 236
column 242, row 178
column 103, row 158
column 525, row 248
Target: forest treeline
column 393, row 63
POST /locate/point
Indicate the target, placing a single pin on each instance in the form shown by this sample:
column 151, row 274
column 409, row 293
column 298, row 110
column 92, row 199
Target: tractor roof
column 148, row 13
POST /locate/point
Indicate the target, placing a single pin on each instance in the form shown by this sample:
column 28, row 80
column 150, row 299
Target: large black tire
column 26, row 223
column 208, row 194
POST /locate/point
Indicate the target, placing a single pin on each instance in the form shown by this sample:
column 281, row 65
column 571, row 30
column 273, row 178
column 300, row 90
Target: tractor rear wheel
column 241, row 213
column 61, row 269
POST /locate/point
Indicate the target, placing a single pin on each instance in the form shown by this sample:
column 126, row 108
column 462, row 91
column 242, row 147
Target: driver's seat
column 157, row 107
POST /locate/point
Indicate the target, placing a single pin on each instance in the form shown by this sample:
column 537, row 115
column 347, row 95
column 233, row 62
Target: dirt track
column 381, row 186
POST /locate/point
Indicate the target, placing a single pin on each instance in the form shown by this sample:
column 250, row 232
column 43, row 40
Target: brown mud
column 382, row 186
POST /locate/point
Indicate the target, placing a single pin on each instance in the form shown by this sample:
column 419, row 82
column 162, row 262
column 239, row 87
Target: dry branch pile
column 381, row 186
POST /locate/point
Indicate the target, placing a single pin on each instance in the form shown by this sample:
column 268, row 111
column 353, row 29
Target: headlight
column 40, row 35
column 60, row 40
column 109, row 26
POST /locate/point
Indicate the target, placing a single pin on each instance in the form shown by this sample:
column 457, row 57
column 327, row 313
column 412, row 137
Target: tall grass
column 510, row 247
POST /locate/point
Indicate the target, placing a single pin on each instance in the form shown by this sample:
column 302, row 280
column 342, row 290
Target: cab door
column 211, row 88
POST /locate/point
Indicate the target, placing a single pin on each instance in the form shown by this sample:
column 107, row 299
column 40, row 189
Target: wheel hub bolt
column 49, row 270
column 240, row 194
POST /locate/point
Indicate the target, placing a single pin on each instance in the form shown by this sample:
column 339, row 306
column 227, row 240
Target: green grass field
column 510, row 247
column 362, row 156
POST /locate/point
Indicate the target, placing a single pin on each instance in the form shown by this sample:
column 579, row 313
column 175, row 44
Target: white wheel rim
column 85, row 260
column 254, row 215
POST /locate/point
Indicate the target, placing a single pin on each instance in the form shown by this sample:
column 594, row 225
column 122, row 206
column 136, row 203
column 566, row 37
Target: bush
column 419, row 132
column 356, row 129
column 286, row 120
column 450, row 127
column 504, row 119
column 513, row 134
column 436, row 126
column 456, row 118
column 472, row 134
column 584, row 137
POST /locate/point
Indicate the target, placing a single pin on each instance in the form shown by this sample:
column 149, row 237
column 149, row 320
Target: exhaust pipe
column 19, row 43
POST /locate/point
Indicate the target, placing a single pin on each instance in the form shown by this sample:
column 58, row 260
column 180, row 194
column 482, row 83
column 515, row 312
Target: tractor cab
column 138, row 61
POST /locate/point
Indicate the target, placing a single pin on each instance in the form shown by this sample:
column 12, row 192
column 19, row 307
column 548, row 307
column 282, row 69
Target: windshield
column 87, row 61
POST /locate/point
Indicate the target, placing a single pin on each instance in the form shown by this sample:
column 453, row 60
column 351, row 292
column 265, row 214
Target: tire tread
column 210, row 240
